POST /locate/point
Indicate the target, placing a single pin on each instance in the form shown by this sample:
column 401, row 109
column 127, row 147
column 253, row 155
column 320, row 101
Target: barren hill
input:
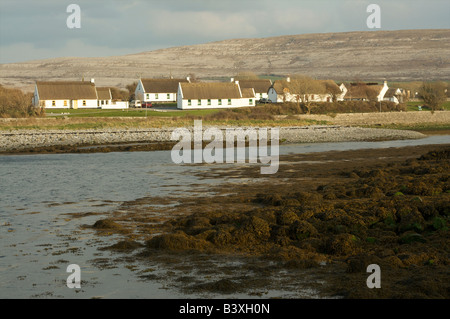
column 370, row 55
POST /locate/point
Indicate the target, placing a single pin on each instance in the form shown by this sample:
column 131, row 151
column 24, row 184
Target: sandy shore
column 65, row 140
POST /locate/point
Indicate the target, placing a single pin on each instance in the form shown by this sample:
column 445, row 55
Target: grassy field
column 268, row 115
column 75, row 123
column 125, row 113
column 413, row 106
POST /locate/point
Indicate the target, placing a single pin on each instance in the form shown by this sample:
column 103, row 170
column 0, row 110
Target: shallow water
column 39, row 239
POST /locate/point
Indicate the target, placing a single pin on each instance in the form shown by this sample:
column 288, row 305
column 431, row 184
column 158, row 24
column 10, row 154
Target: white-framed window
column 229, row 101
column 220, row 101
column 156, row 96
column 199, row 102
column 189, row 102
column 168, row 96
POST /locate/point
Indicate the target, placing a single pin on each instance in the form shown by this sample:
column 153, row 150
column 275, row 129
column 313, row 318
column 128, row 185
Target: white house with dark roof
column 65, row 94
column 260, row 86
column 158, row 90
column 214, row 95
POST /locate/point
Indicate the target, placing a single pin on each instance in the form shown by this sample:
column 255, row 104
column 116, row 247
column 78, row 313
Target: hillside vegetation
column 405, row 55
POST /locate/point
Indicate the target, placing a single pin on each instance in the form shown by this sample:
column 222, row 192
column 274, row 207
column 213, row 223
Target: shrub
column 15, row 103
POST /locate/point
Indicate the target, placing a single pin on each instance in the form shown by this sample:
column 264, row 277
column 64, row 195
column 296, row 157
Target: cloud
column 30, row 29
column 202, row 24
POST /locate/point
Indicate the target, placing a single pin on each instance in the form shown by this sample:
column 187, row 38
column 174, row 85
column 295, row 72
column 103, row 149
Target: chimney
column 385, row 83
column 288, row 79
column 92, row 80
column 232, row 79
column 237, row 82
column 188, row 79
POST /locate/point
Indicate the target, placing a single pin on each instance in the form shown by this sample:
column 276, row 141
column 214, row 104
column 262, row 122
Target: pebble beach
column 16, row 140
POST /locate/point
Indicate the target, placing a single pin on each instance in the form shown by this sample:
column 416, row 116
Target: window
column 156, row 96
column 199, row 102
column 65, row 103
column 168, row 96
column 84, row 102
column 229, row 101
column 260, row 95
column 250, row 101
column 189, row 102
column 209, row 101
column 53, row 103
column 220, row 101
column 148, row 96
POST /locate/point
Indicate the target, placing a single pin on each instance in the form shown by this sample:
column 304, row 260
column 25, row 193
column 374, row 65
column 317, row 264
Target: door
column 75, row 104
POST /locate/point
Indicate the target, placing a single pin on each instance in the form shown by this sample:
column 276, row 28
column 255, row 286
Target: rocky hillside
column 371, row 55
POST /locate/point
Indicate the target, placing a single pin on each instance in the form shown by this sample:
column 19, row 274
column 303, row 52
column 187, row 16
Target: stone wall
column 438, row 117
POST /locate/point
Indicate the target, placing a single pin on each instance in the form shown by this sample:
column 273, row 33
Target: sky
column 37, row 29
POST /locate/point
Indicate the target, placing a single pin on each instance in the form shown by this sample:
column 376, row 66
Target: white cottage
column 366, row 92
column 214, row 95
column 260, row 86
column 106, row 101
column 394, row 95
column 286, row 91
column 65, row 94
column 104, row 97
column 158, row 90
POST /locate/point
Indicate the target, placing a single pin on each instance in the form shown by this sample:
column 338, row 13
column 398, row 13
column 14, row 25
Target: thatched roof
column 66, row 90
column 259, row 85
column 219, row 90
column 329, row 85
column 162, row 85
column 363, row 91
column 320, row 87
column 391, row 92
column 104, row 94
column 281, row 86
column 248, row 93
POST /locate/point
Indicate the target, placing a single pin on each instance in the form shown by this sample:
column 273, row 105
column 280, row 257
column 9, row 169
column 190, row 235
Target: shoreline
column 322, row 220
column 28, row 141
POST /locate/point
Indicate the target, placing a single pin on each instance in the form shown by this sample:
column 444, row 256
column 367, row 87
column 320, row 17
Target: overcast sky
column 37, row 29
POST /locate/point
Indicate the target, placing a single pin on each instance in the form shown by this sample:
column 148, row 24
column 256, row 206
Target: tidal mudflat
column 153, row 229
column 310, row 231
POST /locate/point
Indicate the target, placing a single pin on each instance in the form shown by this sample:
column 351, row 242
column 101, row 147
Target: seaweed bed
column 317, row 223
